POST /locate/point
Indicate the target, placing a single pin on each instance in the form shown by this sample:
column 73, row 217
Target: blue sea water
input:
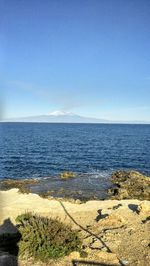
column 93, row 151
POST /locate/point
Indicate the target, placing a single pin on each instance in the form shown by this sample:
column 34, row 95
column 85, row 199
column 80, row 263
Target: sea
column 92, row 151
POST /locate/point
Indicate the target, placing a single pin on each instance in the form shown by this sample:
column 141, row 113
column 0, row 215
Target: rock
column 67, row 175
column 113, row 220
column 125, row 262
column 103, row 257
column 96, row 244
column 78, row 201
column 128, row 185
column 74, row 255
column 144, row 208
column 123, row 193
column 88, row 241
column 23, row 185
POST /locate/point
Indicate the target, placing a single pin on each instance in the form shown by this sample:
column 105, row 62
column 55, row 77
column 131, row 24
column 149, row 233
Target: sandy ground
column 114, row 232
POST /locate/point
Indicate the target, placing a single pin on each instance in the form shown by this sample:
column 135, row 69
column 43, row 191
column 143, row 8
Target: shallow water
column 93, row 151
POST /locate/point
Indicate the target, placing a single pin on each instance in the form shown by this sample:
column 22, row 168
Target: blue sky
column 90, row 57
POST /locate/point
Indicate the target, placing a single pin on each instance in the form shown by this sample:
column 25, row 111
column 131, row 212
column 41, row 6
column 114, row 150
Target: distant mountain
column 58, row 117
column 68, row 117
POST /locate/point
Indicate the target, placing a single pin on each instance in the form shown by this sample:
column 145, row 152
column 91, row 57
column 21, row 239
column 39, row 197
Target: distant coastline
column 68, row 117
column 88, row 123
column 92, row 123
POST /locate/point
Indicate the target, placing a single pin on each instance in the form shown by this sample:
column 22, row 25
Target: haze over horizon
column 60, row 116
column 88, row 57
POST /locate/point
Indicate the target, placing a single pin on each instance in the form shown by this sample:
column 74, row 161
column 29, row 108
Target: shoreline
column 60, row 188
column 114, row 231
column 122, row 185
column 13, row 203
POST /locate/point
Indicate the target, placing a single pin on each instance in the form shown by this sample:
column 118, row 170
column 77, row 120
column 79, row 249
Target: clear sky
column 90, row 57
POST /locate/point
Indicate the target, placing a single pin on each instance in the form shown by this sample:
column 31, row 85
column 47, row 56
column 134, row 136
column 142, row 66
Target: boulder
column 67, row 175
column 130, row 185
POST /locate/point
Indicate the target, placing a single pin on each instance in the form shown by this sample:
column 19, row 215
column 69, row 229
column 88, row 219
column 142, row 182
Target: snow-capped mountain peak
column 61, row 113
column 57, row 117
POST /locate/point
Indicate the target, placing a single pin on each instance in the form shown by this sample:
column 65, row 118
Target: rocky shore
column 130, row 185
column 113, row 232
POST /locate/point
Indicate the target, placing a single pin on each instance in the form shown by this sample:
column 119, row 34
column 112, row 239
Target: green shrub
column 44, row 238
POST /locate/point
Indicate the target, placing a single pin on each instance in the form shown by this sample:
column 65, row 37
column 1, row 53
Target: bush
column 44, row 238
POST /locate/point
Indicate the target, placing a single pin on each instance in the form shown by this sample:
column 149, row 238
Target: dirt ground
column 114, row 232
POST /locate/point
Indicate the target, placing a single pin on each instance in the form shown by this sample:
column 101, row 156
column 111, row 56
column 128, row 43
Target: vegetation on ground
column 46, row 238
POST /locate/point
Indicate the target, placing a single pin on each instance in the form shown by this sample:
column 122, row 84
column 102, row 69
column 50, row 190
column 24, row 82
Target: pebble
column 124, row 262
